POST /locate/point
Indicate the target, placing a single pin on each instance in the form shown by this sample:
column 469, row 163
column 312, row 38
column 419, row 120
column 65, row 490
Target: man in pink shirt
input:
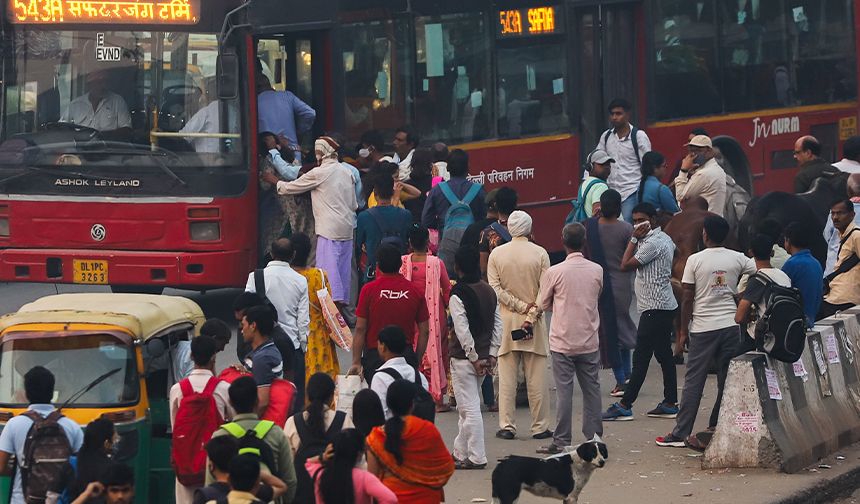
column 570, row 291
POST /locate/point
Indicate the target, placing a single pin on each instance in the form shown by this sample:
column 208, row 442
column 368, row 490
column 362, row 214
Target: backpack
column 251, row 441
column 424, row 406
column 781, row 330
column 578, row 214
column 737, row 201
column 196, row 419
column 634, row 133
column 45, row 467
column 457, row 219
column 310, row 447
column 260, row 287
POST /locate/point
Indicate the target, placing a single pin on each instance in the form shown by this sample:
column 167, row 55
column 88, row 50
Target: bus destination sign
column 527, row 22
column 104, row 11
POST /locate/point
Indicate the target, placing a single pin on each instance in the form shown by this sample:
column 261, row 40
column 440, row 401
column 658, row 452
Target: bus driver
column 100, row 108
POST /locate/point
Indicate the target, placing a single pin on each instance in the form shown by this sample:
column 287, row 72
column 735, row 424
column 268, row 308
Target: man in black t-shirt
column 264, row 360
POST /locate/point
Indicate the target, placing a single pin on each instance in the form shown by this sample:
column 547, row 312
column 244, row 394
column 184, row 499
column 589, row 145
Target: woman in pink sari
column 428, row 274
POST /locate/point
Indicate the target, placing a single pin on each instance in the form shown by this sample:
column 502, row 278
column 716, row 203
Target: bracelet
column 634, row 240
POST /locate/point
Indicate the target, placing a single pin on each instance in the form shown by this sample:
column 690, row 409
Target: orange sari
column 427, row 463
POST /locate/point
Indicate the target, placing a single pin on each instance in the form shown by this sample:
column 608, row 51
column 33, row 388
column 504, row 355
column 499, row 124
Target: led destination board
column 531, row 21
column 104, row 11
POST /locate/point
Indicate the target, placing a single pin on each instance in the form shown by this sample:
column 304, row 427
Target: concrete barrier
column 788, row 416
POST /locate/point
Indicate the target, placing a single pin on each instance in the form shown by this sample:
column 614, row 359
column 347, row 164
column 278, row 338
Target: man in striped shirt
column 650, row 253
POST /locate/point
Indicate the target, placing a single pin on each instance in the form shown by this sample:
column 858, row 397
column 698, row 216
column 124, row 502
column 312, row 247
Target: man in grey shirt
column 650, row 252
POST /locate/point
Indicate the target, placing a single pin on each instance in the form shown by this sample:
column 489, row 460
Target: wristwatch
column 634, row 240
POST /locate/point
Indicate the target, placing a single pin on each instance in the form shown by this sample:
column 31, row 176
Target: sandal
column 466, row 465
column 694, row 443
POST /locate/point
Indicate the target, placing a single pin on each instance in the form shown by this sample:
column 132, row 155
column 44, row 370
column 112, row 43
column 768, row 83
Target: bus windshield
column 75, row 361
column 117, row 113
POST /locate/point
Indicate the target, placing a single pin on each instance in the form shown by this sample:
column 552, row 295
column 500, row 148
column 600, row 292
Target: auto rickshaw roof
column 143, row 315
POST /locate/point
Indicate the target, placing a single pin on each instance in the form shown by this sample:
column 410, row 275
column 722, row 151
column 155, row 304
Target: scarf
column 426, row 460
column 326, row 148
column 610, row 353
column 433, row 355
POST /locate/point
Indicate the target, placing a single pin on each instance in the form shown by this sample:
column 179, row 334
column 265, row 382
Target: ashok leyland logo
column 97, row 232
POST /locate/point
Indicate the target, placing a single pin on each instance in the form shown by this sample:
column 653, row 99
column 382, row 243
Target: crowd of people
column 453, row 304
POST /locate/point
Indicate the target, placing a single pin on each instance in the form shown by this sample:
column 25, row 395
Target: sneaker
column 663, row 411
column 617, row 412
column 670, row 440
column 618, row 391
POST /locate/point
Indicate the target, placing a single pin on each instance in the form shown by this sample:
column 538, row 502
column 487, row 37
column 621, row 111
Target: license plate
column 87, row 271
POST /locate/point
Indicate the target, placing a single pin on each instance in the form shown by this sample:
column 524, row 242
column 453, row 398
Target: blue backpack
column 578, row 213
column 457, row 219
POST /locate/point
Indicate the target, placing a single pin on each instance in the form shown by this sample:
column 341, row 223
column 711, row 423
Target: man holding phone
column 701, row 175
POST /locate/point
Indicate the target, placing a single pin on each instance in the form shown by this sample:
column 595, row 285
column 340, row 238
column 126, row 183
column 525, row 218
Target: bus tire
column 137, row 289
column 735, row 161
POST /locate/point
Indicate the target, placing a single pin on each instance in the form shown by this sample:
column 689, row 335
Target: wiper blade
column 79, row 394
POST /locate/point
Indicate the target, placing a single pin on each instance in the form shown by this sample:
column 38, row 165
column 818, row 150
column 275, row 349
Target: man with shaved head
column 807, row 152
column 831, row 234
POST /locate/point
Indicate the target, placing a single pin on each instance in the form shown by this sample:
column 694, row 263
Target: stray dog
column 560, row 476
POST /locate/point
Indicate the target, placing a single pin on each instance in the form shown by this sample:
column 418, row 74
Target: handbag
column 338, row 331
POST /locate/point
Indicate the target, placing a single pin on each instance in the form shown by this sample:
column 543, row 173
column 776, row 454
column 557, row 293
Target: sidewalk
column 639, row 471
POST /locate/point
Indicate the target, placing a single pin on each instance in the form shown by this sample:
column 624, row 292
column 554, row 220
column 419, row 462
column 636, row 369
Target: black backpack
column 781, row 330
column 310, row 447
column 45, row 466
column 251, row 441
column 424, row 406
column 260, row 287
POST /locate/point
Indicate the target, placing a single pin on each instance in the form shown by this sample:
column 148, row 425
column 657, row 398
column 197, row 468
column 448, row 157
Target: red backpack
column 196, row 419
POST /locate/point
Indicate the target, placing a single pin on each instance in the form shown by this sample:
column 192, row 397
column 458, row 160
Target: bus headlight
column 204, row 231
column 199, row 231
column 4, row 226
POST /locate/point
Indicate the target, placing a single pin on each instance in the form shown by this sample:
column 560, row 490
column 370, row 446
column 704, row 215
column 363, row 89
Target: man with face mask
column 333, row 202
column 701, row 175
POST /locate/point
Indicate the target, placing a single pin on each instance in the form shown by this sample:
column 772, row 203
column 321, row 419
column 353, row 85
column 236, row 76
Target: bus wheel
column 136, row 289
column 735, row 161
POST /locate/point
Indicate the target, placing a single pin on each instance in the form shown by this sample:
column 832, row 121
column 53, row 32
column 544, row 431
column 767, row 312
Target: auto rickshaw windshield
column 76, row 361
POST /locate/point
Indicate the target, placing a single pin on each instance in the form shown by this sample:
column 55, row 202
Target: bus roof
column 143, row 315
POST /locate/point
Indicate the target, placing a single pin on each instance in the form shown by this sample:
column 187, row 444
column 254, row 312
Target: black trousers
column 653, row 337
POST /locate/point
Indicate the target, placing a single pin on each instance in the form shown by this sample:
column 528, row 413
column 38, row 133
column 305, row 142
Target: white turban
column 519, row 223
column 326, row 148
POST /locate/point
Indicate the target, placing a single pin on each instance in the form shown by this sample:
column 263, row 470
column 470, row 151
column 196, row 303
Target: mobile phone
column 700, row 160
column 518, row 334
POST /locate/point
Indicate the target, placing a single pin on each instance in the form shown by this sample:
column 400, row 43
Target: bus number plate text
column 87, row 271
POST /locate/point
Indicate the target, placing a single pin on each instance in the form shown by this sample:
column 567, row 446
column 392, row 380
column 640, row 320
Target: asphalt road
column 638, row 471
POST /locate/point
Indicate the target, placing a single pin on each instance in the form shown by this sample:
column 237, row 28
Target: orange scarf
column 426, row 460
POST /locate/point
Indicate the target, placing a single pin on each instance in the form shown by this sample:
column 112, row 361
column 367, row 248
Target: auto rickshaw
column 112, row 356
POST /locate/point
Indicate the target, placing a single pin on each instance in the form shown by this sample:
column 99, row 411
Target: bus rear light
column 203, row 213
column 4, row 226
column 204, row 231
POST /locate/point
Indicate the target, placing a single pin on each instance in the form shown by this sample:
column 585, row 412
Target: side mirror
column 227, row 70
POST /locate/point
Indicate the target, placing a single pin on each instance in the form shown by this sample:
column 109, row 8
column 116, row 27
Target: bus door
column 607, row 57
column 298, row 62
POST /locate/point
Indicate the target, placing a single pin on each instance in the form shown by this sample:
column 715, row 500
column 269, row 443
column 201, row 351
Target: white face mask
column 364, row 152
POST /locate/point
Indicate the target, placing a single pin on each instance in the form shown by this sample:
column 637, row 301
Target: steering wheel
column 67, row 126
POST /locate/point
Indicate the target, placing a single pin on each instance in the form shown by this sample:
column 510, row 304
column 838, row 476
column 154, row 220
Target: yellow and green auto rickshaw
column 112, row 355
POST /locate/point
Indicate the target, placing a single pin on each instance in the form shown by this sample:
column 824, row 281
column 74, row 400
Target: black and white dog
column 560, row 476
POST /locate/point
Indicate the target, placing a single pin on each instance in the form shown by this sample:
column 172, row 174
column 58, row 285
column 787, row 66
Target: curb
column 826, row 490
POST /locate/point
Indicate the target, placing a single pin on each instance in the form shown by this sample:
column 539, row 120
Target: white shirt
column 442, row 169
column 708, row 181
column 625, row 174
column 848, row 166
column 464, row 334
column 381, row 381
column 405, row 165
column 831, row 236
column 199, row 378
column 288, row 292
column 111, row 113
column 333, row 202
column 206, row 120
column 182, row 363
column 715, row 272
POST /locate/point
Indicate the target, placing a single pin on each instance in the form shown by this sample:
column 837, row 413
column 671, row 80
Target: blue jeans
column 623, row 370
column 628, row 205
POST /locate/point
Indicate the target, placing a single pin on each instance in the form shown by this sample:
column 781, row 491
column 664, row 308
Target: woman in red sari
column 427, row 274
column 408, row 453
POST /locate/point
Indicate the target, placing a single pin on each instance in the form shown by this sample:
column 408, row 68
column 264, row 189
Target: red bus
column 521, row 84
column 119, row 164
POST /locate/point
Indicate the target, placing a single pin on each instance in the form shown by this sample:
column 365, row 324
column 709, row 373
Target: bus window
column 452, row 102
column 685, row 59
column 531, row 89
column 377, row 75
